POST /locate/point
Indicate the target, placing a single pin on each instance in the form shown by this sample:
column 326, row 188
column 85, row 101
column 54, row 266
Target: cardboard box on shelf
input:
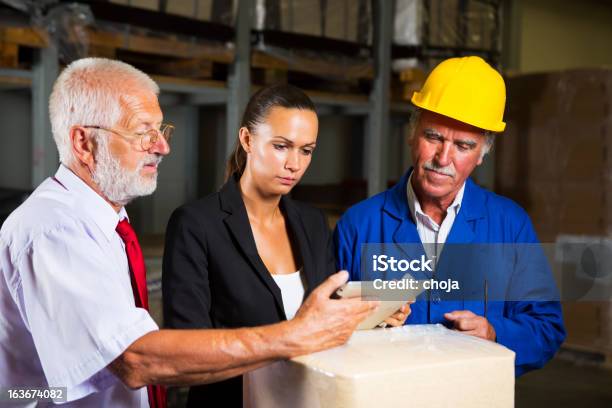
column 306, row 18
column 337, row 19
column 408, row 22
column 145, row 4
column 443, row 27
column 346, row 20
column 185, row 8
column 196, row 9
column 204, row 10
column 481, row 24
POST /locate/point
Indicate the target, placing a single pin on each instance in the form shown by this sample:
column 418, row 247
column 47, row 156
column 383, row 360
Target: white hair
column 415, row 116
column 488, row 144
column 88, row 92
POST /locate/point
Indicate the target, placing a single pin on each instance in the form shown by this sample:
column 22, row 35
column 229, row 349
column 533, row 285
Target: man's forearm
column 196, row 356
column 211, row 377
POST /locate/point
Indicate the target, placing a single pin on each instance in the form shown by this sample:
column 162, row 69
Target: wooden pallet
column 169, row 54
column 307, row 65
column 166, row 46
column 24, row 36
column 9, row 54
column 12, row 39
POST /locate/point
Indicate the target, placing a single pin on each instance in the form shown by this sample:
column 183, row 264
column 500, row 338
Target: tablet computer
column 390, row 300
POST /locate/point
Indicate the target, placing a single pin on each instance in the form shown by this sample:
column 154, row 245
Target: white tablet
column 390, row 300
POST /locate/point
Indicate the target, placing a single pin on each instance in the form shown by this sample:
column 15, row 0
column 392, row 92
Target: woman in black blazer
column 248, row 255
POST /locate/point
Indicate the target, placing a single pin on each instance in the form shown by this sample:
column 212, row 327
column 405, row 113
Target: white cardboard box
column 411, row 366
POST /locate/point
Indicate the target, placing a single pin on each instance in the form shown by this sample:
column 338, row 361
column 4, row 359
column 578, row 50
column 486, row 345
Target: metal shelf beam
column 238, row 83
column 377, row 133
column 44, row 152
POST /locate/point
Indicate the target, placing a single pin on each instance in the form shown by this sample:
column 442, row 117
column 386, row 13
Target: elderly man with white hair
column 73, row 310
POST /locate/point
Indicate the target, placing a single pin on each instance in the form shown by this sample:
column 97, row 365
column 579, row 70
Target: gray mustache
column 448, row 170
column 152, row 160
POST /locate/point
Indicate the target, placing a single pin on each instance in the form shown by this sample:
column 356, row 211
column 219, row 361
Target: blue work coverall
column 534, row 330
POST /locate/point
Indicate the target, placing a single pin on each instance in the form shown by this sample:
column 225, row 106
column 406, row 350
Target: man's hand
column 322, row 323
column 399, row 318
column 467, row 322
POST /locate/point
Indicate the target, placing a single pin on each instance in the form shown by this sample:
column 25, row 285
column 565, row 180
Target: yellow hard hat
column 466, row 89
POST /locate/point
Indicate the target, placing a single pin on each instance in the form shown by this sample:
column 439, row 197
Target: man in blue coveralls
column 459, row 110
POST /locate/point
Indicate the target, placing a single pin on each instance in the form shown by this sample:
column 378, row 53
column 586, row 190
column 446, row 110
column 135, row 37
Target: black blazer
column 213, row 276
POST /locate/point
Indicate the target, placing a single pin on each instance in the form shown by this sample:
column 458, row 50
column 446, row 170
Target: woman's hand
column 399, row 318
column 322, row 323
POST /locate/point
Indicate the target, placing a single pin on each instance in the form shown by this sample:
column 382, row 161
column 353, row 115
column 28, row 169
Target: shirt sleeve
column 73, row 299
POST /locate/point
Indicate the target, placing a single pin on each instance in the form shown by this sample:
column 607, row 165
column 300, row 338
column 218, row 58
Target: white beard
column 117, row 184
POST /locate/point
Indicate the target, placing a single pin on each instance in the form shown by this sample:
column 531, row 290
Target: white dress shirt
column 429, row 231
column 67, row 308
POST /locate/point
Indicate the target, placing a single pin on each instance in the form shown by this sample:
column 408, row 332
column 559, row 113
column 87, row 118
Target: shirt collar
column 415, row 206
column 90, row 202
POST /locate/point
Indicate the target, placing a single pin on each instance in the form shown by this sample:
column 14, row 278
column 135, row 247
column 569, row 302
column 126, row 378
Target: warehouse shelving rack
column 233, row 94
column 375, row 106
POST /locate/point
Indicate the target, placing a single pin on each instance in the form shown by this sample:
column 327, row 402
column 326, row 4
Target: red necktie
column 138, row 276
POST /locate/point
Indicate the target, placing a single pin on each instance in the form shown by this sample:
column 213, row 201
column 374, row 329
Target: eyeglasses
column 147, row 138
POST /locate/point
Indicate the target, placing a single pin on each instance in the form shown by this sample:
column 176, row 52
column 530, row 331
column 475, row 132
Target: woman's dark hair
column 282, row 95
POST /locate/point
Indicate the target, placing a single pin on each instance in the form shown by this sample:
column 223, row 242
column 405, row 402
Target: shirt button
column 435, row 297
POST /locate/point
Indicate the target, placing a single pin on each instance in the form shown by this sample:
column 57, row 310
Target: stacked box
column 144, row 4
column 336, row 19
column 306, row 18
column 454, row 23
column 554, row 159
column 204, row 10
column 345, row 20
column 185, row 8
column 407, row 26
column 480, row 23
column 443, row 24
column 196, row 9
